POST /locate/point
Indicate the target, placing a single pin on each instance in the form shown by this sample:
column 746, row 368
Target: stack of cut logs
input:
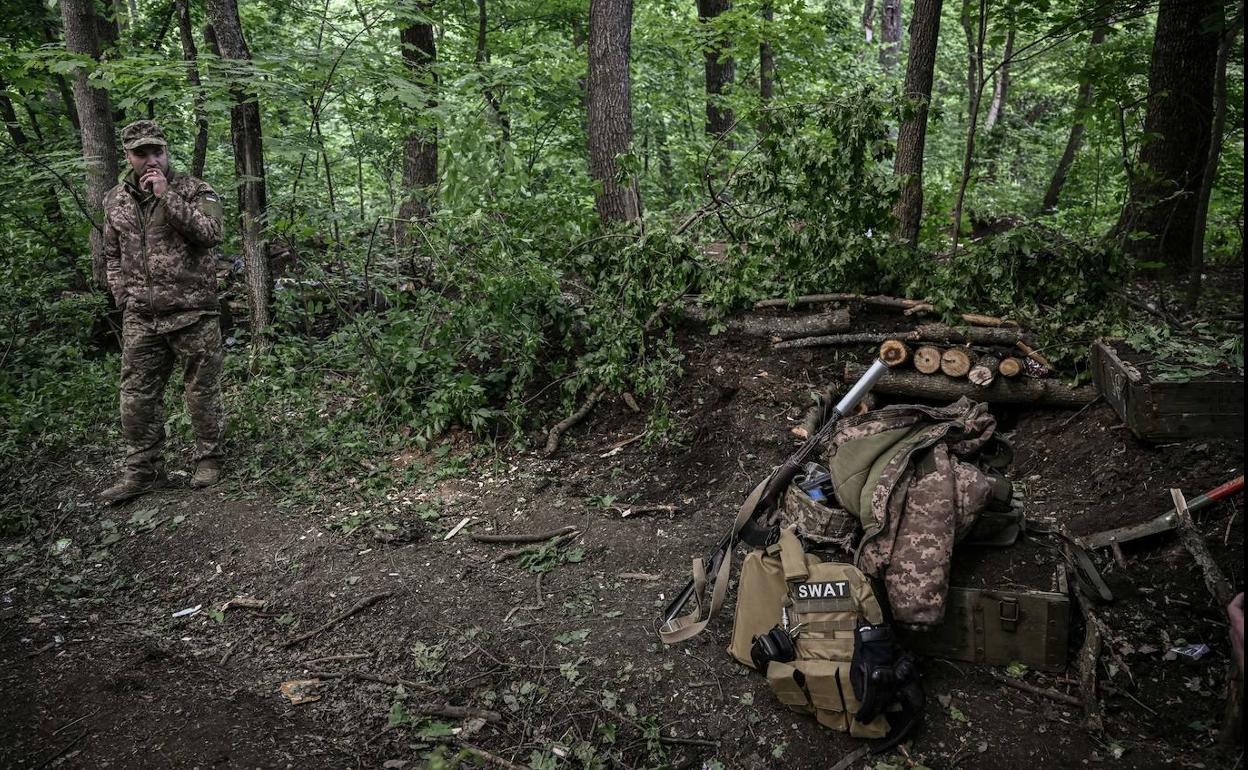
column 989, row 359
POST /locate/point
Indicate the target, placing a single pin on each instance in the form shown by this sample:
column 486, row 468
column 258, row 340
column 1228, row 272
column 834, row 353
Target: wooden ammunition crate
column 996, row 628
column 1210, row 407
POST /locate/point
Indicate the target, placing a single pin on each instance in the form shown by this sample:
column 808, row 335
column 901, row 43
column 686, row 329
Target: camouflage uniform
column 901, row 470
column 161, row 272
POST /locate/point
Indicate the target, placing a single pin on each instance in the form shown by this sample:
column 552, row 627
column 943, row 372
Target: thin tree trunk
column 868, row 21
column 890, row 28
column 62, row 85
column 420, row 148
column 766, row 57
column 1082, row 102
column 912, row 133
column 99, row 144
column 191, row 56
column 247, row 138
column 1211, row 164
column 501, row 118
column 972, row 70
column 51, row 205
column 968, row 156
column 610, row 107
column 1001, row 86
column 720, row 71
column 1161, row 211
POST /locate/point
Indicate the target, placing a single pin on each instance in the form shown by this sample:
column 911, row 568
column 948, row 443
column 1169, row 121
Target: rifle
column 768, row 493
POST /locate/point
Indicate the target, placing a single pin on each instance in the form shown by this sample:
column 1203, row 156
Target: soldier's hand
column 155, row 181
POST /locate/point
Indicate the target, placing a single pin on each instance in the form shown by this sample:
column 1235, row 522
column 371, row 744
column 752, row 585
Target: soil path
column 563, row 669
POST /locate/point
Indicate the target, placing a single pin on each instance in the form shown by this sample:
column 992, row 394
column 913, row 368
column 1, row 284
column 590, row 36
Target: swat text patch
column 831, row 589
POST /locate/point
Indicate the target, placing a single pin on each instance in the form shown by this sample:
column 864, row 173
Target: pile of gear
column 854, row 552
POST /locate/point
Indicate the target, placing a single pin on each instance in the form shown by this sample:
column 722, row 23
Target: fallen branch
column 556, row 542
column 909, row 306
column 938, row 387
column 367, row 677
column 359, row 606
column 1044, row 692
column 1194, row 542
column 936, row 333
column 1089, row 659
column 523, row 538
column 552, row 438
column 779, row 327
column 638, row 510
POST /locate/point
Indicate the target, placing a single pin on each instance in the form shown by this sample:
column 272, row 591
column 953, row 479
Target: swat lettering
column 828, row 590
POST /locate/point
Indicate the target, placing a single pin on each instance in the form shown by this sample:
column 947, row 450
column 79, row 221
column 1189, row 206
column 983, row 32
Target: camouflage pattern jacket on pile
column 158, row 251
column 902, row 470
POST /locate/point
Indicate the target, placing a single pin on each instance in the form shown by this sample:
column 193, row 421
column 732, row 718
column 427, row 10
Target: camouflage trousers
column 150, row 348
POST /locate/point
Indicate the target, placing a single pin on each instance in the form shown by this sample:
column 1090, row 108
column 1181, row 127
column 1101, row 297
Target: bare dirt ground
column 562, row 668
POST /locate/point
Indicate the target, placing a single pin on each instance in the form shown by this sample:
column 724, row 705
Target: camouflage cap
column 142, row 132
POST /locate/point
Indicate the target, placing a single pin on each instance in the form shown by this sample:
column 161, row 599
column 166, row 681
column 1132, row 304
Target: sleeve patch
column 210, row 204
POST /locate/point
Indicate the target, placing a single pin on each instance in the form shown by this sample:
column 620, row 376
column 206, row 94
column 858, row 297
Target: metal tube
column 861, row 388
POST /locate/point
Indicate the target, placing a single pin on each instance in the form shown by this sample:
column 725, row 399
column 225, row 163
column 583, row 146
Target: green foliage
column 1204, row 349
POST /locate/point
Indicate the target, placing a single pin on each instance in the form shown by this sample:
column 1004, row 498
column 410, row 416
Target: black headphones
column 777, row 644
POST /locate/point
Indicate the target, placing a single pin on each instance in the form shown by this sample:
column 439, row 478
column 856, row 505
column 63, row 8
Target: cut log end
column 1010, row 367
column 984, row 371
column 894, row 352
column 955, row 362
column 927, row 359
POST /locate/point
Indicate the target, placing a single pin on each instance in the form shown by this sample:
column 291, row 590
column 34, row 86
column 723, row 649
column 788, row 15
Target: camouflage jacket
column 901, row 470
column 158, row 251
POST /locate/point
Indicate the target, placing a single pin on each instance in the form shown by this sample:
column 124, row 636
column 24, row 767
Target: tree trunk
column 191, row 57
column 610, row 107
column 912, row 134
column 890, row 29
column 977, row 97
column 420, row 148
column 1001, row 85
column 868, row 21
column 1211, row 163
column 501, row 118
column 247, row 138
column 62, row 87
column 1162, row 207
column 1082, row 102
column 51, row 204
column 766, row 57
column 720, row 71
column 968, row 30
column 99, row 144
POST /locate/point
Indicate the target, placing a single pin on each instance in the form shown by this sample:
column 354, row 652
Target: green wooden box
column 1210, row 407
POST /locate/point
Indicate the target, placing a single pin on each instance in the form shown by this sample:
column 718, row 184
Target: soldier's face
column 152, row 156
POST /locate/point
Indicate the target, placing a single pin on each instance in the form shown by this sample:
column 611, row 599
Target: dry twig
column 359, row 606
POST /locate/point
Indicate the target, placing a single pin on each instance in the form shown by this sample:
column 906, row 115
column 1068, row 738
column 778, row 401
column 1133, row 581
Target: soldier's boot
column 207, row 474
column 133, row 484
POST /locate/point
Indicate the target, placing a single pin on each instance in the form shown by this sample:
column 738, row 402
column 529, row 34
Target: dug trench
column 552, row 660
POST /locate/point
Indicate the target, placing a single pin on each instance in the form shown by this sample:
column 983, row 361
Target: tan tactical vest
column 823, row 602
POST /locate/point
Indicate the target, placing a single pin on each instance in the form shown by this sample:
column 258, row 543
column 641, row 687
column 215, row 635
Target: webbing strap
column 688, row 626
column 792, row 557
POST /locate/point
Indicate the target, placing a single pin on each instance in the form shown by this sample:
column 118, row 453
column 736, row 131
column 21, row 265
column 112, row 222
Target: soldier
column 159, row 230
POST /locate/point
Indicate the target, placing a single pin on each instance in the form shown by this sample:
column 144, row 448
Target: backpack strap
column 792, row 557
column 688, row 626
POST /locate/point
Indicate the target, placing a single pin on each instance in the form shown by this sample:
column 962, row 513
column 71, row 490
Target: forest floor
column 100, row 671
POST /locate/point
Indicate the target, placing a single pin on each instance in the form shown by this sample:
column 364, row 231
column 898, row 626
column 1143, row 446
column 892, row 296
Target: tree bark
column 766, row 57
column 246, row 135
column 62, row 87
column 1211, row 163
column 609, row 107
column 890, row 29
column 1161, row 212
column 868, row 21
column 1082, row 102
column 1001, row 84
column 938, row 387
column 720, row 71
column 501, row 118
column 912, row 134
column 420, row 148
column 99, row 143
column 191, row 56
column 977, row 96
